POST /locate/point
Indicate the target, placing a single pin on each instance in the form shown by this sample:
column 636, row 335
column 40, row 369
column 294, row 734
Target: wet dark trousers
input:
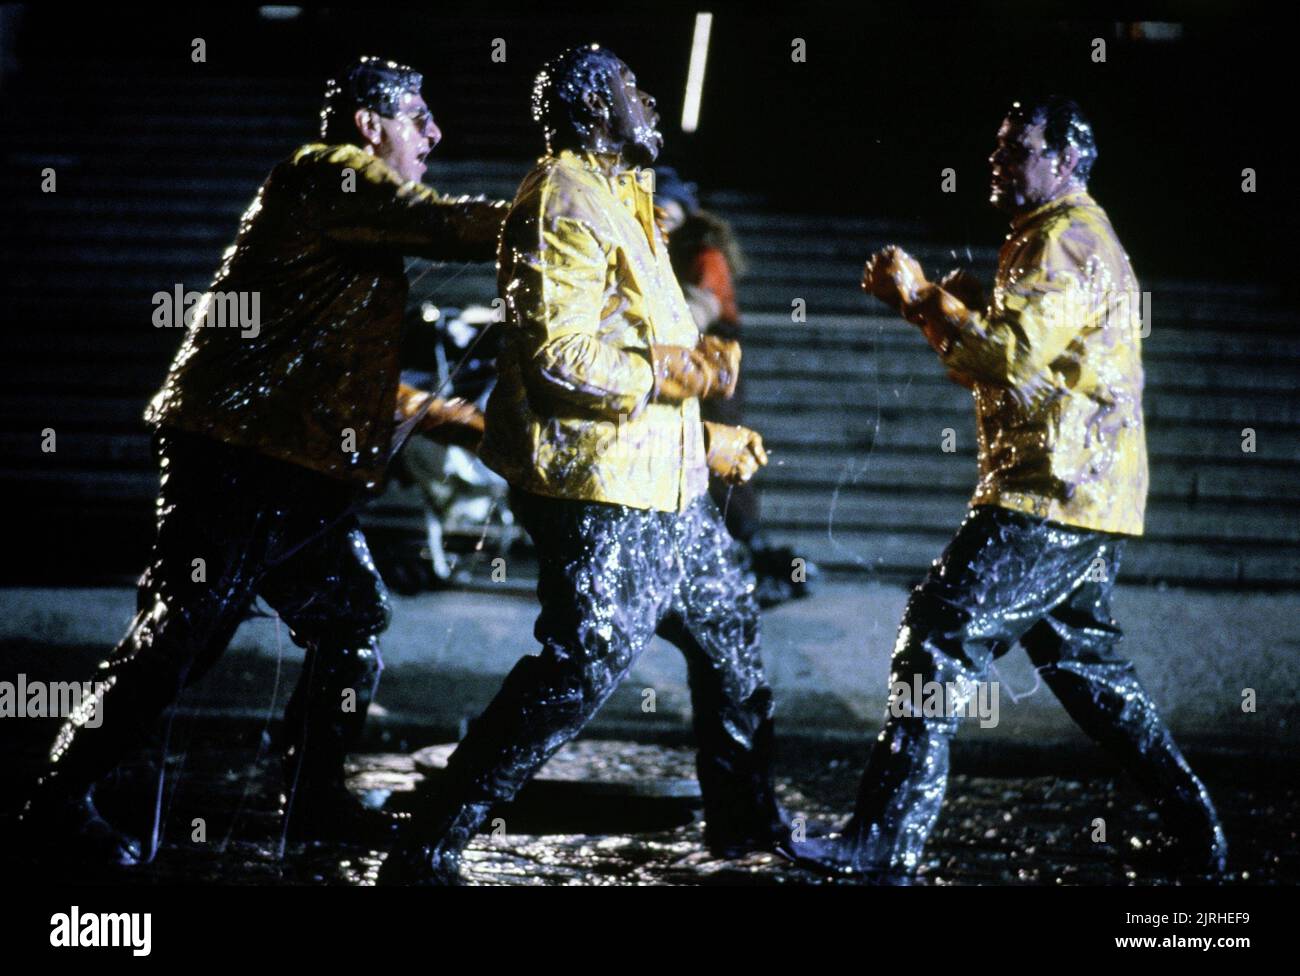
column 1009, row 577
column 610, row 577
column 233, row 525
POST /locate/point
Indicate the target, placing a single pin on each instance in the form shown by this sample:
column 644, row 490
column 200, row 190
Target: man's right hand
column 454, row 421
column 893, row 276
column 708, row 370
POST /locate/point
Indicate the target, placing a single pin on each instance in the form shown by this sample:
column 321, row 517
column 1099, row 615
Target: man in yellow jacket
column 269, row 437
column 1054, row 362
column 595, row 422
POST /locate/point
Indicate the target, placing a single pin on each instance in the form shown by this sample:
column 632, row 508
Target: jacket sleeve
column 556, row 296
column 1031, row 322
column 710, row 271
column 361, row 200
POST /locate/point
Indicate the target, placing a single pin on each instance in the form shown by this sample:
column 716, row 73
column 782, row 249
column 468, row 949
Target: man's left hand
column 735, row 453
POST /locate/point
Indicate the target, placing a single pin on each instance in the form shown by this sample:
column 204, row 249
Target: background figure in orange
column 707, row 259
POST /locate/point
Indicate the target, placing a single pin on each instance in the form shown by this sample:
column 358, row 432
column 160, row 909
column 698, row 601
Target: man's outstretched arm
column 362, row 200
column 1011, row 344
column 453, row 421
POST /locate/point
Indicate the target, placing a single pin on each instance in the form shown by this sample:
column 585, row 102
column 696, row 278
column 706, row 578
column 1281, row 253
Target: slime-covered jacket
column 1057, row 360
column 588, row 288
column 315, row 381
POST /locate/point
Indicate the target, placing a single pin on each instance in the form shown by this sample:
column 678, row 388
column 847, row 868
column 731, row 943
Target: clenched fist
column 708, row 370
column 734, row 453
column 893, row 276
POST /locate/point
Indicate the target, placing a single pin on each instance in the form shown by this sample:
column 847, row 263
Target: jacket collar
column 605, row 165
column 1078, row 198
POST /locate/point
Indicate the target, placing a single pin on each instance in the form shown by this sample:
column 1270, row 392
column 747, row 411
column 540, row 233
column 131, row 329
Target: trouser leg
column 906, row 777
column 335, row 605
column 605, row 579
column 231, row 523
column 167, row 647
column 714, row 620
column 202, row 575
column 1076, row 650
column 1002, row 572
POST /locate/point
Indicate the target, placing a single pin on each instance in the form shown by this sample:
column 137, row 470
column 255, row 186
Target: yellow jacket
column 588, row 288
column 1057, row 361
column 315, row 380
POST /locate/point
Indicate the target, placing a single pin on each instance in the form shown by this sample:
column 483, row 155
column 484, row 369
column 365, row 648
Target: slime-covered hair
column 368, row 82
column 561, row 85
column 1064, row 124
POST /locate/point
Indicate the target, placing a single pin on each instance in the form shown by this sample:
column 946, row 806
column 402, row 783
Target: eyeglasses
column 421, row 119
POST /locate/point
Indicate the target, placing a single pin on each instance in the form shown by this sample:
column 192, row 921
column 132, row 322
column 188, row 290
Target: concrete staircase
column 851, row 402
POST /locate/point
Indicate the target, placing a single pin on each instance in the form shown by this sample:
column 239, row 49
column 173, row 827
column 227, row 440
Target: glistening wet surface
column 577, row 826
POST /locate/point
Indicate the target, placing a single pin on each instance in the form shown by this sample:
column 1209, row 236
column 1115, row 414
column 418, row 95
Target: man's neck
column 1069, row 189
column 610, row 161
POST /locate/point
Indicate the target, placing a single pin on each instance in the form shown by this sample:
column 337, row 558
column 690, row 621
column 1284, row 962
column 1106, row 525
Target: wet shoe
column 734, row 848
column 840, row 856
column 434, row 861
column 422, row 866
column 776, row 841
column 336, row 816
column 775, row 581
column 72, row 831
column 832, row 854
column 1197, row 854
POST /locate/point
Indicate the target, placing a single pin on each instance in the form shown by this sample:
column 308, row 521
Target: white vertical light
column 695, row 74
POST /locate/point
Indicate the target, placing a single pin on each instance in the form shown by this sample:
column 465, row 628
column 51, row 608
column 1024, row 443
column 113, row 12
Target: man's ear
column 595, row 106
column 1068, row 159
column 367, row 121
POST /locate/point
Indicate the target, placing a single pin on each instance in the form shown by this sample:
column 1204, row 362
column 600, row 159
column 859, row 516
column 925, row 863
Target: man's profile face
column 633, row 119
column 407, row 137
column 1025, row 172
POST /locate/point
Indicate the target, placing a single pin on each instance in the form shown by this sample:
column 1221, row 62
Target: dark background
column 864, row 127
column 816, row 164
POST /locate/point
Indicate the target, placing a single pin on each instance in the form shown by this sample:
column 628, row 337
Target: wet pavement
column 827, row 659
column 621, row 813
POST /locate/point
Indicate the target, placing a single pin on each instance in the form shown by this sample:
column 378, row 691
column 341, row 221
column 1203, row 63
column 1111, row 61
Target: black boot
column 525, row 724
column 1110, row 704
column 434, row 861
column 328, row 812
column 779, row 578
column 60, row 815
column 898, row 803
column 70, row 829
column 741, row 810
column 322, row 725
